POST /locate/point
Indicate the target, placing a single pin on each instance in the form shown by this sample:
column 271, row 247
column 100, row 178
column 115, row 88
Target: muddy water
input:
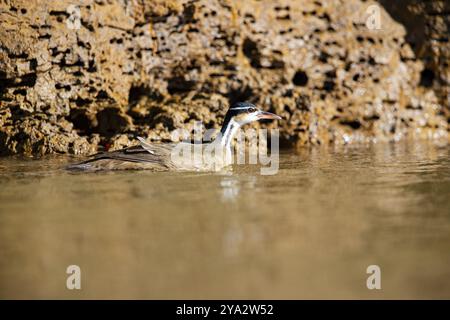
column 309, row 231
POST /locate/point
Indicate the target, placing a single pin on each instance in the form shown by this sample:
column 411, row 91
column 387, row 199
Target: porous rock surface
column 77, row 76
column 427, row 23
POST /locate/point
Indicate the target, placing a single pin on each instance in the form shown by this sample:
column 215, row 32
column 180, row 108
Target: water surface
column 309, row 231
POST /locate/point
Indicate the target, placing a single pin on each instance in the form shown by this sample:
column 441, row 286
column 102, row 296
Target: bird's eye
column 251, row 110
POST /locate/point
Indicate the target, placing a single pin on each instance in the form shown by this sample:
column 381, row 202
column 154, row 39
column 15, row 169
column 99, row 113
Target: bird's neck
column 228, row 131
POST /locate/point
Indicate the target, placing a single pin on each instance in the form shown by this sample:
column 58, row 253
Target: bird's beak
column 267, row 115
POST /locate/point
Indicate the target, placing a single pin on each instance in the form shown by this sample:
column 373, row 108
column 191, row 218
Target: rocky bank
column 77, row 76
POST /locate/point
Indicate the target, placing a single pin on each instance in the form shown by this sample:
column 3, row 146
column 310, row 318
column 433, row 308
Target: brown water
column 308, row 232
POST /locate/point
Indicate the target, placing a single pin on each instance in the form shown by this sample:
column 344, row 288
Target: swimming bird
column 178, row 156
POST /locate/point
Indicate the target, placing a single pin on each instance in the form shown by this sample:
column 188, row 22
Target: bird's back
column 156, row 157
column 132, row 158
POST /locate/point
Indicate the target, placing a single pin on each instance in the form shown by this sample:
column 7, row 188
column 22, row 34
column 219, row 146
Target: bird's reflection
column 229, row 186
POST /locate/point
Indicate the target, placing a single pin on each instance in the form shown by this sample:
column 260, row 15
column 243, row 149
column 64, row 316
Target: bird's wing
column 146, row 145
column 153, row 156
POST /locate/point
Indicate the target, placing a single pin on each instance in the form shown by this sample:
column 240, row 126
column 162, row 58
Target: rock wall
column 428, row 32
column 76, row 76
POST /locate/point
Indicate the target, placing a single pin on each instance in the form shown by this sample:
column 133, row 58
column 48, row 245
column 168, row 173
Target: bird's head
column 246, row 112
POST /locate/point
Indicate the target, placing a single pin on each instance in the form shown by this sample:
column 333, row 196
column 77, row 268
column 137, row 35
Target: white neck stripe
column 229, row 133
